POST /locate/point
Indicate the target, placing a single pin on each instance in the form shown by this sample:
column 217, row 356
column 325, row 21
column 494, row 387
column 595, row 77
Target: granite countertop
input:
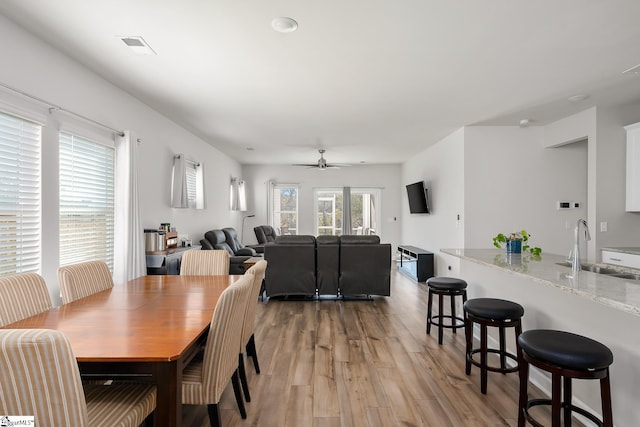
column 626, row 250
column 621, row 294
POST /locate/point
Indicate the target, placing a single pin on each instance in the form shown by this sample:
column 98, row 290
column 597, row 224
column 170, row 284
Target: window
column 20, row 195
column 284, row 202
column 86, row 200
column 329, row 211
column 187, row 177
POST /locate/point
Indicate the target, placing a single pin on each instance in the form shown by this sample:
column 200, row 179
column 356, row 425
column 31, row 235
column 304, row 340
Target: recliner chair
column 236, row 246
column 292, row 266
column 365, row 266
column 216, row 239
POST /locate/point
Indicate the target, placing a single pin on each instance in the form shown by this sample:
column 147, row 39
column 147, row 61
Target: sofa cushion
column 296, row 240
column 359, row 240
column 327, row 240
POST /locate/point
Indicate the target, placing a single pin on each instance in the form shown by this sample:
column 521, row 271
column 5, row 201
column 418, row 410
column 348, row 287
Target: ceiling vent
column 138, row 45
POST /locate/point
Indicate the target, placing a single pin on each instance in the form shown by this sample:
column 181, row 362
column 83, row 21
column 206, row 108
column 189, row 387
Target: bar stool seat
column 493, row 312
column 565, row 355
column 445, row 286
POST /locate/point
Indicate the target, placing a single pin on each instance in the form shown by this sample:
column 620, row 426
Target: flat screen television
column 417, row 194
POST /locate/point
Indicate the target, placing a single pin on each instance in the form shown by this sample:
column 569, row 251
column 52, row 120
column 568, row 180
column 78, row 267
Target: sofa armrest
column 246, row 251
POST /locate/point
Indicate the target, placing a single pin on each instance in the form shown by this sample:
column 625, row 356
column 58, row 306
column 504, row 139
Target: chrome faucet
column 574, row 255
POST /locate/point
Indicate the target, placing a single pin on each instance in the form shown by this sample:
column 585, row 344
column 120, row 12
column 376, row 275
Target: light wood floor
column 362, row 363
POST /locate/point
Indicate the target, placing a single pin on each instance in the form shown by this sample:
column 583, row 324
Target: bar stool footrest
column 547, row 402
column 459, row 321
column 493, row 368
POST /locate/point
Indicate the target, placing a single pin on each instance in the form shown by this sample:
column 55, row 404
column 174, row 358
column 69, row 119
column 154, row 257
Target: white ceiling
column 370, row 81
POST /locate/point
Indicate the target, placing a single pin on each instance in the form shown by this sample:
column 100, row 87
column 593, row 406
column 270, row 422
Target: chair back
column 83, row 279
column 41, row 378
column 218, row 240
column 204, row 263
column 220, row 358
column 265, row 234
column 249, row 323
column 21, row 296
column 232, row 239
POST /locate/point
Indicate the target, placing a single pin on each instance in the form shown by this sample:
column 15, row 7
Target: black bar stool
column 494, row 312
column 442, row 286
column 565, row 356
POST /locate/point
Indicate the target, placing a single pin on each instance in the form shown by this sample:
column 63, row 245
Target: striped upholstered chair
column 21, row 296
column 204, row 379
column 204, row 263
column 42, row 379
column 83, row 279
column 249, row 324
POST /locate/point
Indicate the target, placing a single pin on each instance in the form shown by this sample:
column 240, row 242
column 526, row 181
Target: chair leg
column 251, row 351
column 452, row 298
column 483, row 359
column 243, row 377
column 556, row 385
column 605, row 396
column 214, row 415
column 503, row 349
column 468, row 331
column 440, row 318
column 429, row 311
column 567, row 402
column 523, row 371
column 235, row 381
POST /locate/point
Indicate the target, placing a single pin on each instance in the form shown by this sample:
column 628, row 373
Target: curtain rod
column 54, row 107
column 193, row 162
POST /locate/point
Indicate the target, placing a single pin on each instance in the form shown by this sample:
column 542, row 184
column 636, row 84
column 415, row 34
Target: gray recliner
column 216, row 239
column 365, row 266
column 291, row 266
column 327, row 264
column 235, row 245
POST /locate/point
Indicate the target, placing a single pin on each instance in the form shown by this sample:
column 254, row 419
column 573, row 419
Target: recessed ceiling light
column 524, row 123
column 578, row 97
column 284, row 25
column 138, row 45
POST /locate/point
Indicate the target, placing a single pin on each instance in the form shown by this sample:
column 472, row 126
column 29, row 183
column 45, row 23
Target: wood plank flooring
column 363, row 363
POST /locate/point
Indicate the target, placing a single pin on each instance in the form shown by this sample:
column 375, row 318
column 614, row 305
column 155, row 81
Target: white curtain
column 179, row 189
column 129, row 259
column 346, row 211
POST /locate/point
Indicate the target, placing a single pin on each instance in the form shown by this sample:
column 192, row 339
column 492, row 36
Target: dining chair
column 204, row 263
column 41, row 379
column 22, row 295
column 83, row 279
column 248, row 326
column 204, row 379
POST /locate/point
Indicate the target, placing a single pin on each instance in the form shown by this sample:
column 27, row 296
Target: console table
column 415, row 262
column 166, row 262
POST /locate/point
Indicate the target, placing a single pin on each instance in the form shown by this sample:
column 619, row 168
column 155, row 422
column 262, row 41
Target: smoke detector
column 284, row 25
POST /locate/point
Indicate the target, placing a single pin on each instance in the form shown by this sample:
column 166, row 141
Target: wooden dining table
column 147, row 329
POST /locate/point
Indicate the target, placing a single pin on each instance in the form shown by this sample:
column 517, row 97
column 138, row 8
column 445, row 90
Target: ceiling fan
column 322, row 163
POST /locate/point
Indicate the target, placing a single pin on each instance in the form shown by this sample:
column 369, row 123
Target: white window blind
column 20, row 201
column 87, row 211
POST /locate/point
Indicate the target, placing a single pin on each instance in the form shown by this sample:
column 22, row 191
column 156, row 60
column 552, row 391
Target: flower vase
column 514, row 246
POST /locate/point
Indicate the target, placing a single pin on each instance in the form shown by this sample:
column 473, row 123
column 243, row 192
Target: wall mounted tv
column 417, row 194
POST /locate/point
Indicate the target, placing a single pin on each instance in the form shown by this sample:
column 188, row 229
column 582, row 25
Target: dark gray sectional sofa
column 328, row 265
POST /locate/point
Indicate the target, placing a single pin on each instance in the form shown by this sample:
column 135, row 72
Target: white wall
column 442, row 168
column 513, row 183
column 623, row 227
column 34, row 67
column 385, row 177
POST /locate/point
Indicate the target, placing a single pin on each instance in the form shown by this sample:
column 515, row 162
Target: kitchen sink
column 603, row 270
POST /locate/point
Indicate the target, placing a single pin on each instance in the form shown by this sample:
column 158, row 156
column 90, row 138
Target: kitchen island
column 598, row 306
